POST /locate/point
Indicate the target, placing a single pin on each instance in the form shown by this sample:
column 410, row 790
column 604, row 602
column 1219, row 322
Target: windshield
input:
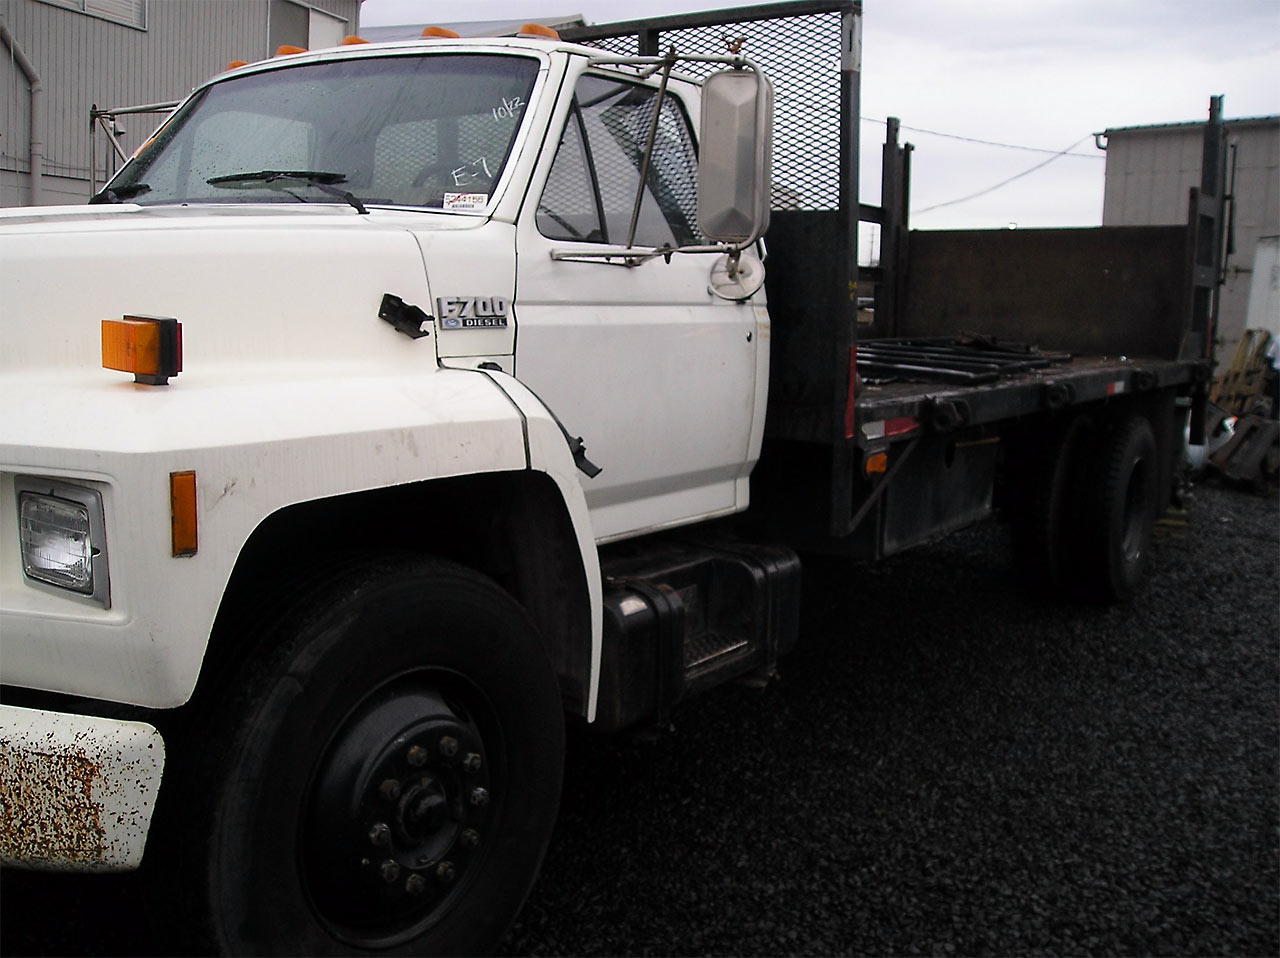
column 431, row 131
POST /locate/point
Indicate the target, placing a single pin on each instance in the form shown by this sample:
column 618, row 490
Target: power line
column 1006, row 146
column 992, row 189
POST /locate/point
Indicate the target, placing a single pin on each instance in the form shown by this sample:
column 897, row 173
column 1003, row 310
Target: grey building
column 61, row 58
column 1150, row 169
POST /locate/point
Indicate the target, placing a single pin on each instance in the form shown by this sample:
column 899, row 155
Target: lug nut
column 470, row 837
column 379, row 834
column 415, row 884
column 479, row 797
column 448, row 746
column 416, row 756
column 446, row 872
column 472, row 762
column 389, row 870
column 390, row 790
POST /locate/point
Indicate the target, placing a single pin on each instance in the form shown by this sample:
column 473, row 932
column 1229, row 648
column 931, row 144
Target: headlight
column 62, row 536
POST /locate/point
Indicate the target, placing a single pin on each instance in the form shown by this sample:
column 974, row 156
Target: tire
column 1122, row 504
column 384, row 779
column 1045, row 522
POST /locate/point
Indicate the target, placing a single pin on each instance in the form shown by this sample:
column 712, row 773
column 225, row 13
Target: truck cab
column 413, row 326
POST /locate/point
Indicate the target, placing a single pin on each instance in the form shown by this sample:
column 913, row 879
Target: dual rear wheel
column 1086, row 499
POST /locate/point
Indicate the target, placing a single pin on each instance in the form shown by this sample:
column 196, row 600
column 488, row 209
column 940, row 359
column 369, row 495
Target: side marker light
column 182, row 508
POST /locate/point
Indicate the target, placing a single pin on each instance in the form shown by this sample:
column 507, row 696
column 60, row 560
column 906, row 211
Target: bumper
column 76, row 792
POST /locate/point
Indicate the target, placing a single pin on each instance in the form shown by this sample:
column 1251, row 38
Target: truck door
column 656, row 375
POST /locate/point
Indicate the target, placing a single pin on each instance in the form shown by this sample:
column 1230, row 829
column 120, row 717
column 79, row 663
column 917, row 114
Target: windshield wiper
column 320, row 179
column 120, row 194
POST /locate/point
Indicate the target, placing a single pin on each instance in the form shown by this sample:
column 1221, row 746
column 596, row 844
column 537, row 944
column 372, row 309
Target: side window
column 591, row 190
column 570, row 207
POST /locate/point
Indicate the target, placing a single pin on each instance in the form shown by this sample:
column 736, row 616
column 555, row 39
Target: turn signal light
column 538, row 30
column 150, row 347
column 444, row 32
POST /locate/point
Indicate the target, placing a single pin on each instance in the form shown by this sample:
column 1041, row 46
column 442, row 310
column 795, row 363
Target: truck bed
column 945, row 401
column 998, row 323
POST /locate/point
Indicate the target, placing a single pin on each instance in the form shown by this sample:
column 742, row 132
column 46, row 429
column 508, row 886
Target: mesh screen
column 801, row 57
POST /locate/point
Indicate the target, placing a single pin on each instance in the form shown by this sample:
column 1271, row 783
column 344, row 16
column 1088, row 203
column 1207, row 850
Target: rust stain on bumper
column 32, row 786
column 76, row 792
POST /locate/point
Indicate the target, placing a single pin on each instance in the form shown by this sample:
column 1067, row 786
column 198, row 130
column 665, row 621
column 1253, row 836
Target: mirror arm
column 669, row 62
column 632, row 256
column 657, row 63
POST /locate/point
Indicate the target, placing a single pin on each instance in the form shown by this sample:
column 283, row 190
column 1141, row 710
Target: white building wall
column 1149, row 173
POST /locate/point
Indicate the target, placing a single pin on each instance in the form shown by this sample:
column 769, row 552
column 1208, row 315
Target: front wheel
column 384, row 778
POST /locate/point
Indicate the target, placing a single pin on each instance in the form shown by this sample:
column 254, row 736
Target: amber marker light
column 877, row 463
column 352, row 41
column 441, row 32
column 538, row 30
column 288, row 49
column 235, row 64
column 150, row 347
column 182, row 508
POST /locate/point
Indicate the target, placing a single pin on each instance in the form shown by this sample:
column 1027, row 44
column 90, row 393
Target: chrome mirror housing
column 735, row 162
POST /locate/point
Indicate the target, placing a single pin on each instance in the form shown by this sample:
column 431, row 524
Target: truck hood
column 276, row 288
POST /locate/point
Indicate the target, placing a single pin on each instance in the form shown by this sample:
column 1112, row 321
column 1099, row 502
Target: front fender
column 255, row 449
column 549, row 452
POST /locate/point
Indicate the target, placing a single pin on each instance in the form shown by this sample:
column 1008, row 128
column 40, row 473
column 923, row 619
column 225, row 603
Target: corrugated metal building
column 114, row 53
column 1150, row 169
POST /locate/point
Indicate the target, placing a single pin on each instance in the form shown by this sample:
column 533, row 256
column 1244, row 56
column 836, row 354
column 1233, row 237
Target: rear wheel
column 1121, row 510
column 1045, row 521
column 384, row 778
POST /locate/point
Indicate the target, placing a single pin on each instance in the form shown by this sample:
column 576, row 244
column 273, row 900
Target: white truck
column 396, row 401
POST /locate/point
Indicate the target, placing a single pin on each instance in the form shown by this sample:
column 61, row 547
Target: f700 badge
column 471, row 312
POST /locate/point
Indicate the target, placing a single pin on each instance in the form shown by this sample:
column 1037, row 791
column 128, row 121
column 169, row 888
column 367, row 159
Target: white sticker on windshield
column 466, row 202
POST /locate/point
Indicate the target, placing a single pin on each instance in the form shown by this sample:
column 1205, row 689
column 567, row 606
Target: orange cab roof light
column 538, row 30
column 444, row 32
column 352, row 40
column 288, row 49
column 237, row 63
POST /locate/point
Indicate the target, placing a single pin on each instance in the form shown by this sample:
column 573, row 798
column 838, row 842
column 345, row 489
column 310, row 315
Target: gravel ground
column 945, row 766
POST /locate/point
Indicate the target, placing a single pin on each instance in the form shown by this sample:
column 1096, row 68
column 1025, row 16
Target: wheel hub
column 398, row 810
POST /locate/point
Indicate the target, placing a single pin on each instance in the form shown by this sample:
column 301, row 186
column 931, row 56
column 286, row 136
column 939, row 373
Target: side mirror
column 735, row 159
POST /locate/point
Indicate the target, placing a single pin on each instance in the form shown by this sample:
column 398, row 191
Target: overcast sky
column 1034, row 73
